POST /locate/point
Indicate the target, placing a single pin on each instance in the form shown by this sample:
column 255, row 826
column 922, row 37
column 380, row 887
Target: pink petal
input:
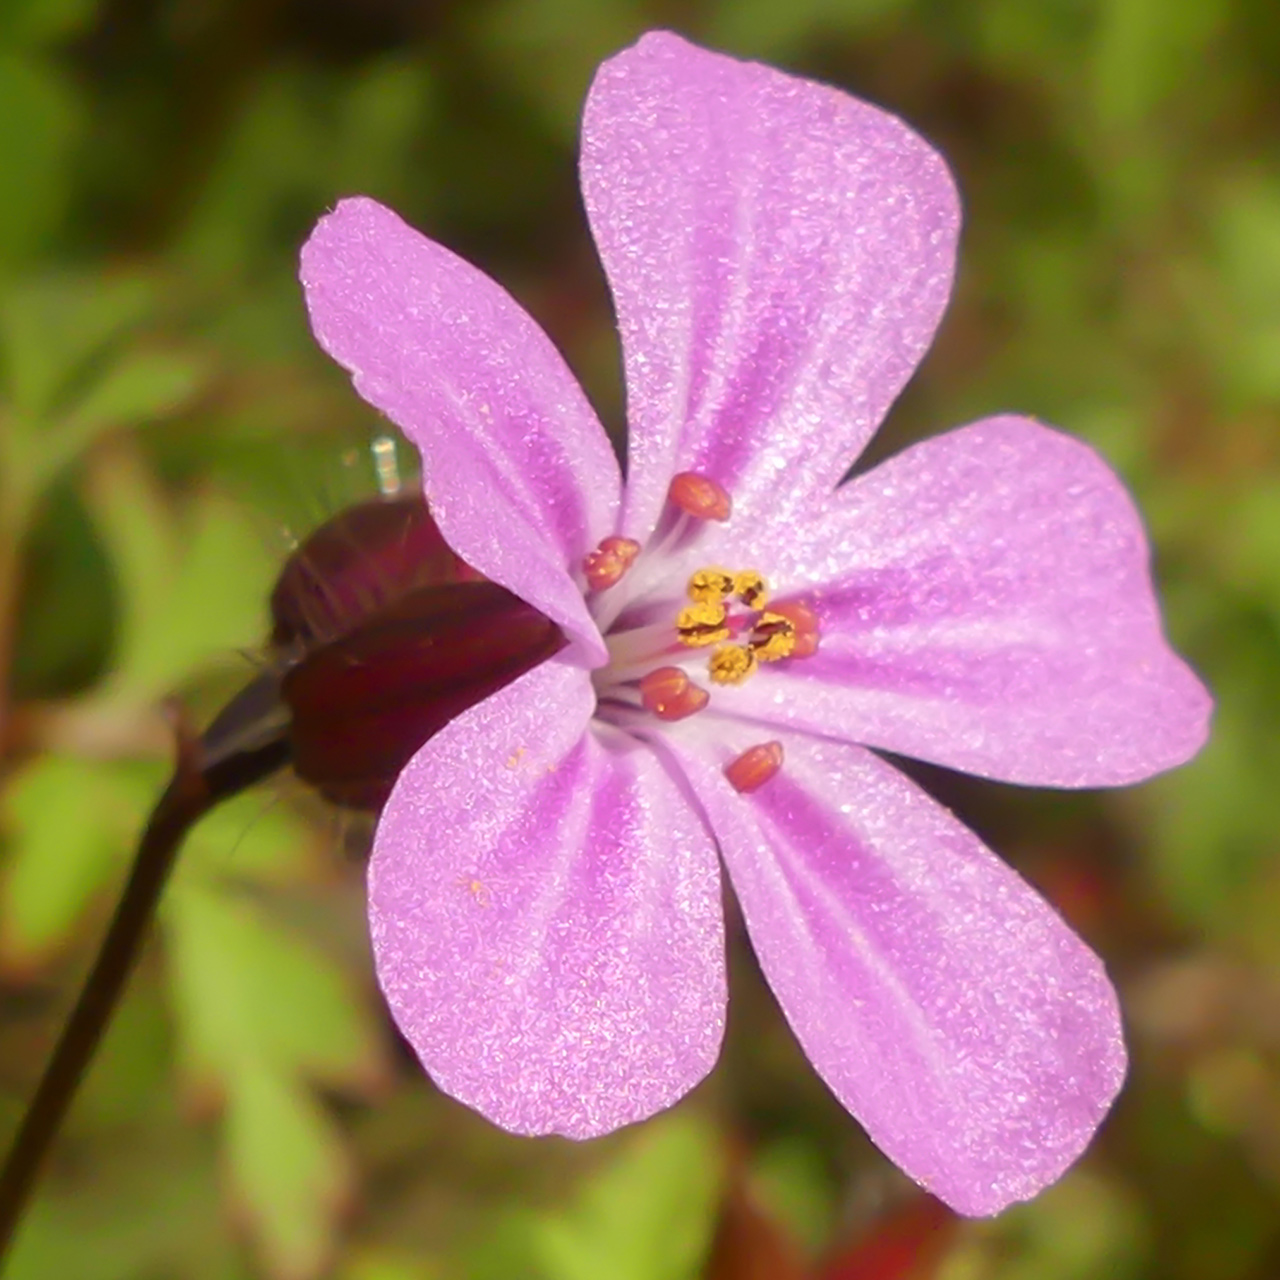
column 519, row 474
column 546, row 917
column 986, row 603
column 780, row 254
column 942, row 1000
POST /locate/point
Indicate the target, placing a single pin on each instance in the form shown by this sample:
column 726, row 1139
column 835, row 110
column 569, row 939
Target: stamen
column 754, row 767
column 699, row 496
column 787, row 630
column 805, row 621
column 731, row 664
column 671, row 695
column 640, row 646
column 702, row 624
column 711, row 585
column 605, row 566
column 751, row 588
column 773, row 637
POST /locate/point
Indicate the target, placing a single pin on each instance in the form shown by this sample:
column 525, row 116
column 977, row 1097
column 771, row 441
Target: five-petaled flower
column 743, row 629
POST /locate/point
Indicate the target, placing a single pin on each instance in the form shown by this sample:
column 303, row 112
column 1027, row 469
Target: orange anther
column 670, row 694
column 754, row 767
column 805, row 620
column 700, row 496
column 605, row 565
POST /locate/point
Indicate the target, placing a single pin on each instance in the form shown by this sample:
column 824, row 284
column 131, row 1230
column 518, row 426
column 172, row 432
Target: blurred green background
column 167, row 426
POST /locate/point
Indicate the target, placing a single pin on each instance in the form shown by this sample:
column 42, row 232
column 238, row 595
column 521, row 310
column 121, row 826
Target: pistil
column 726, row 613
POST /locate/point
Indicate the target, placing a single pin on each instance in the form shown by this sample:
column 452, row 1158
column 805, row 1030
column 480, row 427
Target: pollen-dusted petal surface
column 942, row 1000
column 986, row 603
column 546, row 916
column 519, row 474
column 779, row 254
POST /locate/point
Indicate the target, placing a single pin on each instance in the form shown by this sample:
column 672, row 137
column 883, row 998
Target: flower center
column 728, row 605
column 656, row 635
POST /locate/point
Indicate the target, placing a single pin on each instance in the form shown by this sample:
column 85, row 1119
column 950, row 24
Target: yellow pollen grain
column 751, row 588
column 773, row 637
column 731, row 664
column 478, row 890
column 711, row 585
column 702, row 624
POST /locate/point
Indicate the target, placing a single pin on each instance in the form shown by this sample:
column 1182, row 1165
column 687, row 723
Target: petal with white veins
column 986, row 603
column 546, row 915
column 947, row 1006
column 779, row 254
column 502, row 425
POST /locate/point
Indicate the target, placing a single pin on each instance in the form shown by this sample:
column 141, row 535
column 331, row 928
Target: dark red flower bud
column 387, row 636
column 362, row 705
column 365, row 557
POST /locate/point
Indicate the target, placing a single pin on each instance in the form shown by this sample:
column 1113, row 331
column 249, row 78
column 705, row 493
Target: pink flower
column 545, row 890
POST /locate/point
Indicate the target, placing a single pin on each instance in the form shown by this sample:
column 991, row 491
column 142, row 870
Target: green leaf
column 63, row 388
column 39, row 22
column 259, row 1013
column 193, row 584
column 766, row 28
column 51, row 326
column 218, row 602
column 377, row 1264
column 379, row 118
column 789, row 1179
column 140, row 534
column 1080, row 1229
column 249, row 838
column 1039, row 43
column 135, row 1208
column 1245, row 340
column 1249, row 542
column 302, row 139
column 270, row 152
column 288, row 1170
column 40, row 124
column 142, row 386
column 129, row 1082
column 1212, row 823
column 648, row 1216
column 247, row 990
column 552, row 50
column 52, row 658
column 69, row 823
column 1145, row 49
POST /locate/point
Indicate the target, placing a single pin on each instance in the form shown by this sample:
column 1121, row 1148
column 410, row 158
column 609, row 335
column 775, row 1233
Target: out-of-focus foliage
column 166, row 426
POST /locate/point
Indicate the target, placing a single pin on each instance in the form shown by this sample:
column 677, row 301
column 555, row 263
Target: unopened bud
column 384, row 636
column 361, row 706
column 364, row 558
